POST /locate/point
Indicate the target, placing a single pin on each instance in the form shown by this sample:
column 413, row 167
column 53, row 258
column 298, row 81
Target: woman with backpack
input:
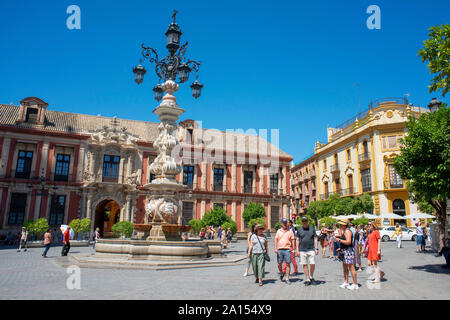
column 323, row 238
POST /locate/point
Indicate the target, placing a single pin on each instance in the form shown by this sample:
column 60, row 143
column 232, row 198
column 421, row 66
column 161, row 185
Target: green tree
column 253, row 211
column 436, row 52
column 365, row 203
column 424, row 161
column 329, row 221
column 364, row 221
column 196, row 225
column 75, row 224
column 40, row 226
column 85, row 225
column 215, row 217
column 230, row 224
column 277, row 225
column 257, row 221
column 123, row 228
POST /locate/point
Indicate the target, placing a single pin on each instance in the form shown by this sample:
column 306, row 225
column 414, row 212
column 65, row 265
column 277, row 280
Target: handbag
column 266, row 255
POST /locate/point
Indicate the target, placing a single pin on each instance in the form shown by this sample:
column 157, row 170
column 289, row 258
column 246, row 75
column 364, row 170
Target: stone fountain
column 162, row 209
column 160, row 236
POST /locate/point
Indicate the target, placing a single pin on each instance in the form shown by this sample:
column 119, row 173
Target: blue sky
column 287, row 65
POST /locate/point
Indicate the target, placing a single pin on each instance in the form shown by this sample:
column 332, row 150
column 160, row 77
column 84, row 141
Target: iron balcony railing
column 334, row 167
column 364, row 156
column 367, row 188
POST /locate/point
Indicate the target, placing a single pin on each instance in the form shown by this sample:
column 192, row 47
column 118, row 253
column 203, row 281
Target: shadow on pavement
column 432, row 268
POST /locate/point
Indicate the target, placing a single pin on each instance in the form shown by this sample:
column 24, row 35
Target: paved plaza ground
column 409, row 275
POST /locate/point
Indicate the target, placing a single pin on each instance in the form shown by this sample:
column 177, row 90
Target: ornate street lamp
column 173, row 67
column 162, row 208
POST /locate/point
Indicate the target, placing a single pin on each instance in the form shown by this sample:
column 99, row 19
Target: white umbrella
column 419, row 215
column 391, row 216
column 354, row 216
column 340, row 217
column 370, row 216
column 64, row 228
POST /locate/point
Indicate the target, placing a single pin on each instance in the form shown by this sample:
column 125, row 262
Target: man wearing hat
column 307, row 249
column 284, row 241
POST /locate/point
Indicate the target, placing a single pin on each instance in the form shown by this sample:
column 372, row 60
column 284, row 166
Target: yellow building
column 358, row 157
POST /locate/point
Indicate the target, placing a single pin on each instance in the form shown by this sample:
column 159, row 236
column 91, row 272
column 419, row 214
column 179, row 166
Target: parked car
column 408, row 234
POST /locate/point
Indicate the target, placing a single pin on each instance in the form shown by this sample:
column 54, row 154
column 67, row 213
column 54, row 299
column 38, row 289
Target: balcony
column 346, row 192
column 396, row 185
column 367, row 188
column 364, row 157
column 312, row 174
column 334, row 167
column 305, row 176
column 324, row 196
column 248, row 189
column 218, row 187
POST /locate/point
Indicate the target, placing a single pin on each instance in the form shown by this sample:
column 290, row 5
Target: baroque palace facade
column 64, row 166
column 357, row 159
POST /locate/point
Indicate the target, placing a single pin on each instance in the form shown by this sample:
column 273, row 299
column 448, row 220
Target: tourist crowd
column 343, row 241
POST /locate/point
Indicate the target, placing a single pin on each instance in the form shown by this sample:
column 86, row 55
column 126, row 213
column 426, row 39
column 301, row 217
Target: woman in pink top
column 47, row 241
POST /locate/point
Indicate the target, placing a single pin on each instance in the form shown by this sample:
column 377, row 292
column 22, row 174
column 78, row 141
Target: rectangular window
column 349, row 155
column 62, row 167
column 187, row 212
column 248, row 181
column 391, row 142
column 188, row 176
column 57, row 210
column 218, row 179
column 324, row 165
column 274, row 184
column 17, row 208
column 394, row 178
column 111, row 168
column 365, row 180
column 24, row 161
column 31, row 116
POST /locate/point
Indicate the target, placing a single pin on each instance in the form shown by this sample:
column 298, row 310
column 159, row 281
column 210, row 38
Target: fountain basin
column 155, row 250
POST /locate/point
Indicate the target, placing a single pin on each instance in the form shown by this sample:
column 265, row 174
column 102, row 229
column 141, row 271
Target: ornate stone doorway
column 107, row 213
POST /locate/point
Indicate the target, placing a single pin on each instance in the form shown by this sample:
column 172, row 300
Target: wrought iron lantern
column 196, row 89
column 158, row 90
column 175, row 66
column 183, row 72
column 139, row 73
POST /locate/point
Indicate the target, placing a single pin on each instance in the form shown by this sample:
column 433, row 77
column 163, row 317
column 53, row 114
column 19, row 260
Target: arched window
column 399, row 207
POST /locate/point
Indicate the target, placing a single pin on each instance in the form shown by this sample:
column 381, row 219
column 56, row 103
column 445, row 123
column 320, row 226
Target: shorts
column 420, row 240
column 349, row 256
column 284, row 254
column 307, row 257
column 23, row 243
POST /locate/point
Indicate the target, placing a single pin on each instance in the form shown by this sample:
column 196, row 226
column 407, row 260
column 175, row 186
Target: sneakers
column 353, row 287
column 307, row 283
column 287, row 281
column 245, row 274
column 313, row 282
column 282, row 276
column 344, row 285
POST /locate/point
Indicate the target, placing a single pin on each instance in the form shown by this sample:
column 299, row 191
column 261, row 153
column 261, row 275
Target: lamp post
column 172, row 70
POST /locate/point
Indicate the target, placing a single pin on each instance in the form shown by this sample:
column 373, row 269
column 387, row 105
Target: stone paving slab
column 409, row 275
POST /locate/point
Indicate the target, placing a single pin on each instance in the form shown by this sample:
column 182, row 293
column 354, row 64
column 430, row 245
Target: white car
column 407, row 234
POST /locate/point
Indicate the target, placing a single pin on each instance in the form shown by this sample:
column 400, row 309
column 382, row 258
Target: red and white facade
column 64, row 166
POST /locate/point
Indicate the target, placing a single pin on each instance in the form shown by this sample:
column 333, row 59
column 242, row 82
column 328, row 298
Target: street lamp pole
column 172, row 70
